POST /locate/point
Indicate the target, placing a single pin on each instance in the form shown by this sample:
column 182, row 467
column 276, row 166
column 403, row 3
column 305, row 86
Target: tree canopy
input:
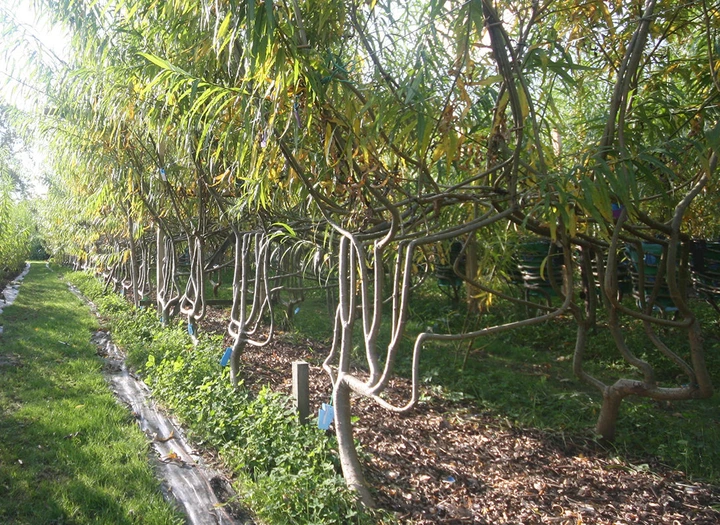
column 369, row 134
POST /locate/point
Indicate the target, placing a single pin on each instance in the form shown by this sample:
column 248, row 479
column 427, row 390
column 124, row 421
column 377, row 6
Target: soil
column 446, row 463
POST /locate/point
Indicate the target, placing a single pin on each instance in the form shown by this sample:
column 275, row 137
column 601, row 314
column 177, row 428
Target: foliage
column 16, row 225
column 16, row 220
column 377, row 136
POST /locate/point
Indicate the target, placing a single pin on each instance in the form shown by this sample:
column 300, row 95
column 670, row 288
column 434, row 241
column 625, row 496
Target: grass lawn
column 69, row 453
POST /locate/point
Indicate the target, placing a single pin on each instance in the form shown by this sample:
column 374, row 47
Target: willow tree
column 210, row 109
column 400, row 130
column 16, row 226
column 93, row 154
column 374, row 154
column 656, row 153
column 397, row 151
column 98, row 93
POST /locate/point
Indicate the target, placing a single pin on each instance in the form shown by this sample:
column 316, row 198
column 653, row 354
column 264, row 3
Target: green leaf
column 713, row 137
column 222, row 30
column 163, row 64
column 488, row 81
column 286, row 227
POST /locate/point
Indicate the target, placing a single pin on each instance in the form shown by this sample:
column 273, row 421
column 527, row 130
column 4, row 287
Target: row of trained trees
column 336, row 144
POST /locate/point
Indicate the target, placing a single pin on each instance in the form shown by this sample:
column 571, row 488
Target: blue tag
column 325, row 416
column 190, row 329
column 226, row 356
column 297, row 309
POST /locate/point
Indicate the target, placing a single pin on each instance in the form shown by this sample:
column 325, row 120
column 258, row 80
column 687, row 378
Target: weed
column 288, row 472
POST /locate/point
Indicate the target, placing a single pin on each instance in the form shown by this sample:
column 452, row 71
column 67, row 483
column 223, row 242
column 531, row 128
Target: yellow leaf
column 572, row 221
column 524, row 106
column 439, row 152
column 487, row 81
column 553, row 229
column 452, row 145
column 224, row 26
column 328, row 142
column 220, row 178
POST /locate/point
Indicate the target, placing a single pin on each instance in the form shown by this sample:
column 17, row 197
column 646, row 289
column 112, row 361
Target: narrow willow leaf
column 162, row 63
column 286, row 227
column 222, row 30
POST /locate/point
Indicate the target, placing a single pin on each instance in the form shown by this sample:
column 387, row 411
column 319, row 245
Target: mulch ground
column 445, row 463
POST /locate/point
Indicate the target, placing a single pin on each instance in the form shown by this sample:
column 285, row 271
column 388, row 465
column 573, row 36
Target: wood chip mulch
column 445, row 463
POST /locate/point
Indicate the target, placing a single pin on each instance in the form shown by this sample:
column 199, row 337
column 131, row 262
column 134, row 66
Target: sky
column 16, row 88
column 38, row 35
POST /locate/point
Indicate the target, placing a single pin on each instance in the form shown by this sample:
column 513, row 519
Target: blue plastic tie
column 226, row 356
column 325, row 416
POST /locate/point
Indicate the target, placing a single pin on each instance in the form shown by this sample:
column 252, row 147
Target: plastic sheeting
column 201, row 492
column 10, row 293
column 186, row 478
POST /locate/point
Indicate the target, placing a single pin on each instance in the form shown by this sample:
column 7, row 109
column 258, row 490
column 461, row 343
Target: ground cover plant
column 285, row 472
column 69, row 453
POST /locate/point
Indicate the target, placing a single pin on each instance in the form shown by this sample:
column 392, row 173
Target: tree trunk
column 352, row 471
column 160, row 274
column 237, row 349
column 133, row 263
column 607, row 421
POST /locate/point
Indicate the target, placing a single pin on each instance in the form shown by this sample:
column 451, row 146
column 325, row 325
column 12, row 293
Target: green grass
column 69, row 453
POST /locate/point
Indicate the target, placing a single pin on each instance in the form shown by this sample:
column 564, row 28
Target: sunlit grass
column 69, row 453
